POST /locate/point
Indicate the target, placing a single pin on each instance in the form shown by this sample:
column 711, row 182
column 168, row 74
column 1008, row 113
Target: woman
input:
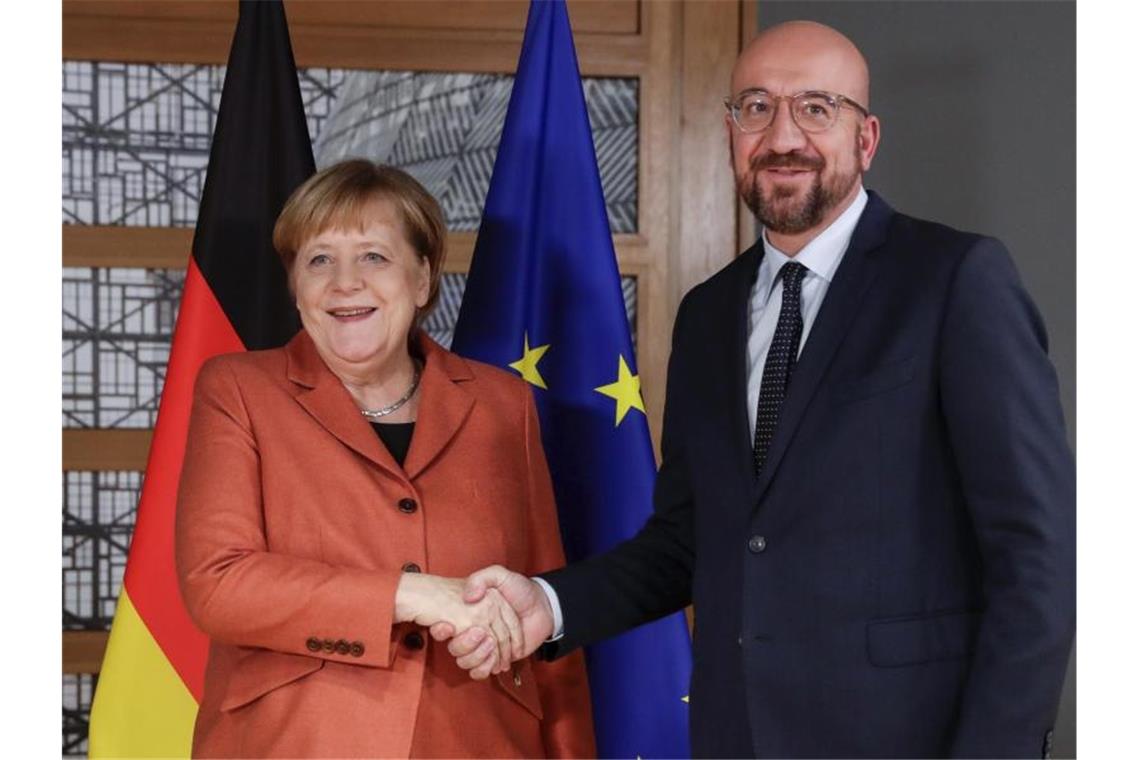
column 332, row 487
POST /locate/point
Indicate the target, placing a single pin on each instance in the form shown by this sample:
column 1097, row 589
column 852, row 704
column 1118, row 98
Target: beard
column 782, row 210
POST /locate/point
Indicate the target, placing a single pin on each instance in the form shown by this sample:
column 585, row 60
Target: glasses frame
column 732, row 104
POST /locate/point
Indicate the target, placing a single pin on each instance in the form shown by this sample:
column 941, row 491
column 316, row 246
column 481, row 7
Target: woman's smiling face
column 358, row 290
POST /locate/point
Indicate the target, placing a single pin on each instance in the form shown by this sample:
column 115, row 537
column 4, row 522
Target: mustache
column 786, row 161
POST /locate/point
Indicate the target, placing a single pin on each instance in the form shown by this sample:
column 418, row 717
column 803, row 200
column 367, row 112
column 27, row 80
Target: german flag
column 235, row 299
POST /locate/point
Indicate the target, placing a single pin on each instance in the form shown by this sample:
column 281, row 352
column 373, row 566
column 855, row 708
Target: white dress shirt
column 821, row 257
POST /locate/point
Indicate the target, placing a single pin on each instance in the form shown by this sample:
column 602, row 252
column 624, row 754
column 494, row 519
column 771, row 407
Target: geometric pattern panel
column 629, row 295
column 98, row 517
column 444, row 129
column 117, row 328
column 78, row 690
column 136, row 137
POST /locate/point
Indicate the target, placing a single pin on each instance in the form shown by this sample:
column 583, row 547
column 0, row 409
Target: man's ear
column 868, row 137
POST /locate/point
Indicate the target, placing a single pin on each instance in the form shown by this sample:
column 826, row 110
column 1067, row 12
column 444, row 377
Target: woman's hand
column 430, row 599
column 527, row 599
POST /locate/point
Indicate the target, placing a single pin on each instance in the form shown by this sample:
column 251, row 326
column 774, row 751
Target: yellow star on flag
column 685, row 699
column 527, row 366
column 626, row 391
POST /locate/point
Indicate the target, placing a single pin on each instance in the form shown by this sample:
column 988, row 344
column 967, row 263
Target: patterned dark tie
column 780, row 363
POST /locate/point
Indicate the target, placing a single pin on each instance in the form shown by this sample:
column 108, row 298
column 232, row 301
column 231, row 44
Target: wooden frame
column 169, row 248
column 747, row 228
column 681, row 52
column 105, row 449
column 83, row 651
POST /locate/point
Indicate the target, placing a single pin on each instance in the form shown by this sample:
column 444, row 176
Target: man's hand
column 521, row 593
column 431, row 600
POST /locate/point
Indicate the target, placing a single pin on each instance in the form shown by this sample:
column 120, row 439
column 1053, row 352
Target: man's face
column 792, row 192
column 792, row 180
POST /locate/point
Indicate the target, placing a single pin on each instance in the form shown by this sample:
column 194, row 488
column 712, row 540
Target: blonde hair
column 337, row 197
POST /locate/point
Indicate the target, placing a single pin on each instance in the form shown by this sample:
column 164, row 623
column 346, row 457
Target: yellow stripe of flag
column 143, row 709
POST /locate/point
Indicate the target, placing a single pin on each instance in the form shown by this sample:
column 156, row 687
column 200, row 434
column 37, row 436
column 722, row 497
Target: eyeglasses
column 812, row 111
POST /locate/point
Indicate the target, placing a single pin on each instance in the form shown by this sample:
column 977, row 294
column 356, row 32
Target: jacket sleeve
column 235, row 588
column 651, row 574
column 1007, row 433
column 567, row 723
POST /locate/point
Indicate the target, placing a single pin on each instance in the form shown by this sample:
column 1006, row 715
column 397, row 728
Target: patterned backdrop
column 136, row 140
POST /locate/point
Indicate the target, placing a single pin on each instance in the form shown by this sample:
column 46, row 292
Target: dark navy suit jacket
column 900, row 579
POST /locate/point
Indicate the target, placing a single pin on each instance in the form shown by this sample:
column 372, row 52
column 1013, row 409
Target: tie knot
column 793, row 274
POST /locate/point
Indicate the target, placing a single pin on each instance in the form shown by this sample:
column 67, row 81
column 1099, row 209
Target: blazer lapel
column 329, row 403
column 839, row 309
column 737, row 355
column 444, row 405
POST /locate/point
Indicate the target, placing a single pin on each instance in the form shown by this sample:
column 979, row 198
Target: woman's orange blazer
column 294, row 525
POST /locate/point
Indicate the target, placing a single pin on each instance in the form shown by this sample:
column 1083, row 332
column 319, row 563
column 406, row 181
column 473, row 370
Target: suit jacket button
column 313, row 644
column 407, row 506
column 410, row 567
column 356, row 649
column 342, row 646
column 328, row 645
column 414, row 640
column 757, row 544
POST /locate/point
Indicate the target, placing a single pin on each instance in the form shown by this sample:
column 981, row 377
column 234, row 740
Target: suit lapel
column 326, row 399
column 737, row 356
column 839, row 309
column 445, row 404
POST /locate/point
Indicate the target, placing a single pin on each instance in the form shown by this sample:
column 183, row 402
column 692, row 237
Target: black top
column 396, row 436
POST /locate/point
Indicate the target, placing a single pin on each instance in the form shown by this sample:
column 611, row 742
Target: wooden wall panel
column 429, row 39
column 659, row 201
column 85, row 449
column 586, row 16
column 688, row 202
column 148, row 247
column 169, row 248
column 83, row 651
column 601, row 16
column 747, row 229
column 708, row 231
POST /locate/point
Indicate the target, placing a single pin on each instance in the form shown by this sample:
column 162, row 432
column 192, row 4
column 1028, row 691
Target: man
column 865, row 489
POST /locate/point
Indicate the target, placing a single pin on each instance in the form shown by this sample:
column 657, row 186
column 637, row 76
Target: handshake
column 492, row 618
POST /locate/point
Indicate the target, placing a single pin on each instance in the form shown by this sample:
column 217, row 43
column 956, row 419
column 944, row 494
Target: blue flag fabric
column 544, row 298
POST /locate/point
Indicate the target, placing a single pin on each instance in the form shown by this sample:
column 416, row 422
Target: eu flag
column 544, row 298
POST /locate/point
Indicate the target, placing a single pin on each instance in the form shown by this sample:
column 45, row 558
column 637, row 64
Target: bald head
column 802, row 55
column 798, row 177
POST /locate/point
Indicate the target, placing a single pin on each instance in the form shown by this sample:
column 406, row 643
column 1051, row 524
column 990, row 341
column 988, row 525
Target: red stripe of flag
column 235, row 299
column 202, row 331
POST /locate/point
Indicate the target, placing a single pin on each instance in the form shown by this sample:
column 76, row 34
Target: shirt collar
column 822, row 255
